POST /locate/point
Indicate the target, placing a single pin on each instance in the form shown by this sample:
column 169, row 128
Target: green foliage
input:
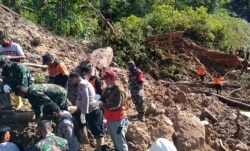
column 40, row 77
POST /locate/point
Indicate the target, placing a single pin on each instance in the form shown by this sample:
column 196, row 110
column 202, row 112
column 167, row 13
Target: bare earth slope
column 175, row 110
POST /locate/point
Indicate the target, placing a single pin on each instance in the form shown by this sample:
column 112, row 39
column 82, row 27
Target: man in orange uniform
column 201, row 72
column 217, row 82
column 58, row 72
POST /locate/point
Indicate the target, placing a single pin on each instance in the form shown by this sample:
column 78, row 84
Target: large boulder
column 102, row 57
column 138, row 138
column 189, row 132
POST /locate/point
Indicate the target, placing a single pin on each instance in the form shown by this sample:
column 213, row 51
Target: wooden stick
column 35, row 65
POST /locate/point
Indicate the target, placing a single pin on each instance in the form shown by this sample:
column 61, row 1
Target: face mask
column 109, row 85
column 86, row 77
column 131, row 68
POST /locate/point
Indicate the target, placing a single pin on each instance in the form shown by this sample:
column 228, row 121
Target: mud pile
column 179, row 111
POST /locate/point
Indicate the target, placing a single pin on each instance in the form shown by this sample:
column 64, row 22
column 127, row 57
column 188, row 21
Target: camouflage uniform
column 41, row 94
column 50, row 142
column 15, row 75
column 135, row 86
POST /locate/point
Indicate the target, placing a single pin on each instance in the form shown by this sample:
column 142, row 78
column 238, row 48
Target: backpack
column 76, row 126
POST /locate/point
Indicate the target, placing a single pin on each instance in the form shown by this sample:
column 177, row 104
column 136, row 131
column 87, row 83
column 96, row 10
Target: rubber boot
column 99, row 143
column 18, row 102
column 84, row 136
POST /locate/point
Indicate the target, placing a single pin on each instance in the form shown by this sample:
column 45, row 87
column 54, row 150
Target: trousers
column 117, row 131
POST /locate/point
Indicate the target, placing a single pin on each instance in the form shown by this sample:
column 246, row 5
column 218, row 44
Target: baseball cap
column 86, row 69
column 47, row 57
column 49, row 108
column 109, row 74
column 3, row 61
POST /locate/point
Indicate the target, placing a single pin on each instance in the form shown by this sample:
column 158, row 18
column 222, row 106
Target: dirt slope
column 176, row 109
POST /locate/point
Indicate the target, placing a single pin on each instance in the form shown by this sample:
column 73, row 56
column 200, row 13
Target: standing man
column 217, row 83
column 247, row 53
column 244, row 66
column 136, row 87
column 10, row 48
column 49, row 140
column 42, row 94
column 58, row 72
column 64, row 123
column 14, row 74
column 201, row 72
column 90, row 76
column 114, row 104
column 92, row 115
column 231, row 50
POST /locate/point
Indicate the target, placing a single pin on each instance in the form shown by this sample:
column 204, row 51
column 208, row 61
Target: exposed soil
column 167, row 99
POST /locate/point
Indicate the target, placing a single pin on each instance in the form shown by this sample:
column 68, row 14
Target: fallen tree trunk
column 7, row 116
column 234, row 103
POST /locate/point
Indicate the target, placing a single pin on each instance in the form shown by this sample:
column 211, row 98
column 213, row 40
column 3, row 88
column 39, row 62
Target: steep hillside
column 36, row 40
column 180, row 108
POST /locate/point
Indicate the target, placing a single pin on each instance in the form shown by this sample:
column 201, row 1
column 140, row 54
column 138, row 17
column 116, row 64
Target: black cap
column 3, row 130
column 47, row 57
column 86, row 69
column 49, row 108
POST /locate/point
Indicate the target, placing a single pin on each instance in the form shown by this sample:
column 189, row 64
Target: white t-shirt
column 8, row 146
column 13, row 50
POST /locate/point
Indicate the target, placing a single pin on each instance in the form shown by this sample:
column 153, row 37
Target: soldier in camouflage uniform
column 42, row 94
column 136, row 89
column 49, row 141
column 14, row 74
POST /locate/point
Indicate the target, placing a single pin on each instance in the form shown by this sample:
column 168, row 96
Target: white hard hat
column 162, row 144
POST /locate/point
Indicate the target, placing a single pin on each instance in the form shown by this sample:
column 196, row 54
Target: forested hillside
column 125, row 24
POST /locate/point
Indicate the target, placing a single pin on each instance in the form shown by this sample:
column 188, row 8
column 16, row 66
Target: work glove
column 141, row 92
column 6, row 88
column 97, row 97
column 95, row 103
column 83, row 120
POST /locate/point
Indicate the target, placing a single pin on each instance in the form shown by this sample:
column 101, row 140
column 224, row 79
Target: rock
column 151, row 108
column 189, row 132
column 163, row 131
column 138, row 136
column 180, row 97
column 185, row 89
column 102, row 57
column 241, row 147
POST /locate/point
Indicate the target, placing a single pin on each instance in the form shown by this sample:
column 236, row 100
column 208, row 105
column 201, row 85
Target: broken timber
column 16, row 116
column 231, row 102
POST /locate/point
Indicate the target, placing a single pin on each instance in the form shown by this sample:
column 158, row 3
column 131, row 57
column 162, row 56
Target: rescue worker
column 5, row 144
column 244, row 66
column 136, row 87
column 10, row 48
column 42, row 94
column 217, row 83
column 13, row 74
column 231, row 50
column 90, row 115
column 49, row 140
column 58, row 72
column 113, row 101
column 65, row 126
column 90, row 76
column 201, row 72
